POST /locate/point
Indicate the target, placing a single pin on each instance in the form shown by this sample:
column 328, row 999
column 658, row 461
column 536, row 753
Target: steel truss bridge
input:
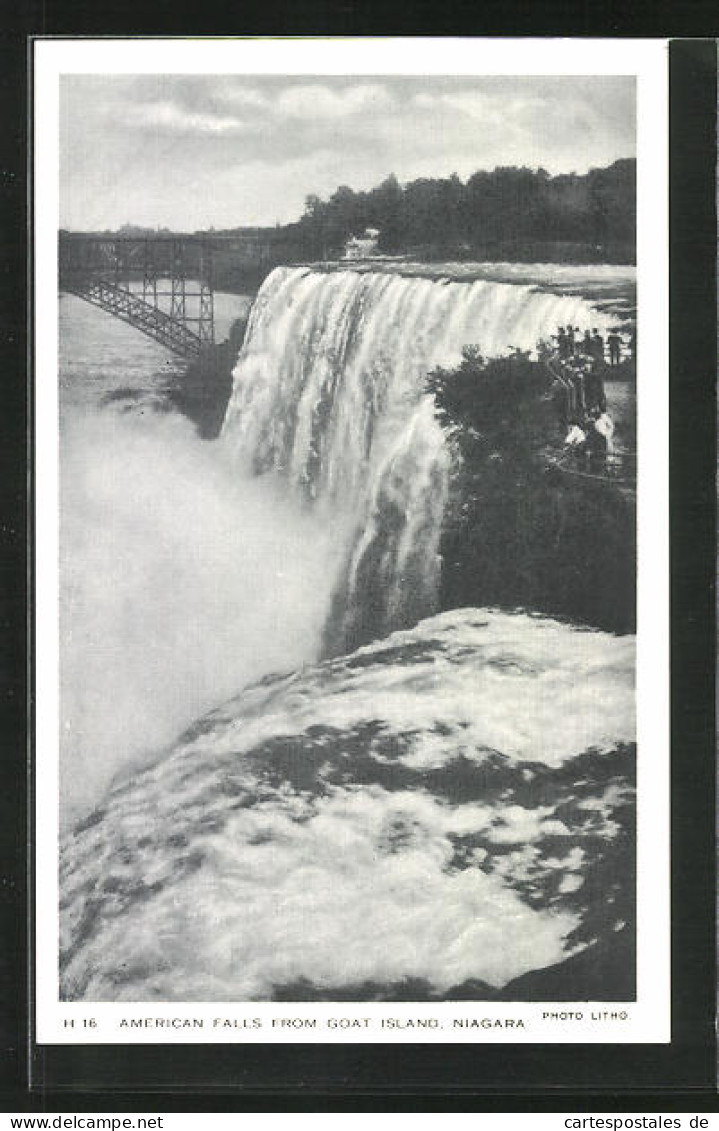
column 160, row 285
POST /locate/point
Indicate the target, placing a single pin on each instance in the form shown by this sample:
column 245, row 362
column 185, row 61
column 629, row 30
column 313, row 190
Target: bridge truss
column 160, row 285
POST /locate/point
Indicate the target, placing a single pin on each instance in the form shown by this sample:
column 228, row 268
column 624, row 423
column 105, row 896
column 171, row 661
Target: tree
column 503, row 211
column 385, row 208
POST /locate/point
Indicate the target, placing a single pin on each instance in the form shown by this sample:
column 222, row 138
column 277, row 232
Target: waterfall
column 328, row 391
column 445, row 812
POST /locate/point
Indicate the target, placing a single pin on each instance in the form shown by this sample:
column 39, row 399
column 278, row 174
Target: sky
column 200, row 151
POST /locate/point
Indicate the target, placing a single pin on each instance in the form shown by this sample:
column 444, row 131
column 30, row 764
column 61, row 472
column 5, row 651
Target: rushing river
column 441, row 812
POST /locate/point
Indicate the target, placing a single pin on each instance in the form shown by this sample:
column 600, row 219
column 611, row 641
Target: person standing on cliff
column 600, row 444
column 577, row 375
column 597, row 345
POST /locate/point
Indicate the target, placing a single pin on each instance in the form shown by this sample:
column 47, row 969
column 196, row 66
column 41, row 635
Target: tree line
column 508, row 208
column 508, row 213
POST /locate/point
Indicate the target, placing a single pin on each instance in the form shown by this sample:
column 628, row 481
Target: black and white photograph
column 340, row 732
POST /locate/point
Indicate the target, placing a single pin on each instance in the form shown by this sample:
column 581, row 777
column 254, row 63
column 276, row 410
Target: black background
column 680, row 1076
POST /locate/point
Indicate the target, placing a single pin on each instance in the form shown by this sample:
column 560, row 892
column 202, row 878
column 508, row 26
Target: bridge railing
column 132, row 257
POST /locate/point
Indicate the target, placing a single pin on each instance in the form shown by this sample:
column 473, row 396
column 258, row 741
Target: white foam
column 179, row 585
column 219, row 875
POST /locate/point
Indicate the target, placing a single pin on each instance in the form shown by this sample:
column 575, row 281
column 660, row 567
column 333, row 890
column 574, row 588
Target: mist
column 181, row 583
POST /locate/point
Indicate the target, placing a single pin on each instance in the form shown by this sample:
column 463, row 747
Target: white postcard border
column 647, row 1019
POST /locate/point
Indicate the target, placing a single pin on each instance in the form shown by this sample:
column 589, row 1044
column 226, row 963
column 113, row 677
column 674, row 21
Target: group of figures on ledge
column 577, row 365
column 569, row 344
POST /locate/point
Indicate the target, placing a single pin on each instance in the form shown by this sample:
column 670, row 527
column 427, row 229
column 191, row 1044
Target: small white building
column 359, row 247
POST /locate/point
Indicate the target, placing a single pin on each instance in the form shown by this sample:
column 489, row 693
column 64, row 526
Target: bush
column 499, row 403
column 514, row 536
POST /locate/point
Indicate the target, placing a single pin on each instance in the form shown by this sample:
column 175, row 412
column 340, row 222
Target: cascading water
column 328, row 390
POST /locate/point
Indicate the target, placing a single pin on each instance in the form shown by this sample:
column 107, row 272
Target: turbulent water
column 437, row 813
column 608, row 287
column 446, row 807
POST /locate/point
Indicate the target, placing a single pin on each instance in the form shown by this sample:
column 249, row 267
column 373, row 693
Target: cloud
column 179, row 145
column 166, row 116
